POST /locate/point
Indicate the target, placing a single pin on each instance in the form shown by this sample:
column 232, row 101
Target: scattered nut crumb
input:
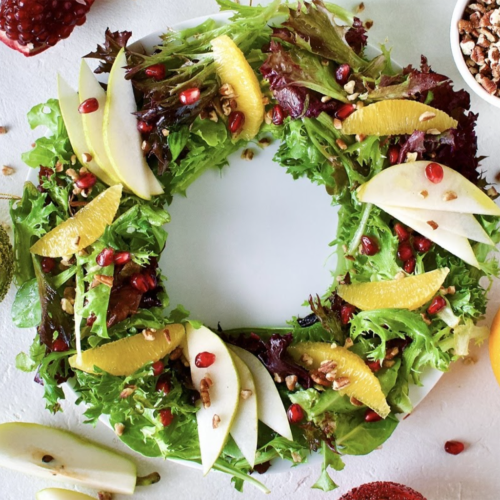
column 245, row 393
column 3, row 130
column 355, row 402
column 296, row 457
column 449, row 196
column 433, row 131
column 426, row 116
column 306, row 359
column 149, row 334
column 278, row 378
column 341, row 383
column 101, row 278
column 337, row 123
column 492, row 192
column 86, row 157
column 326, row 98
column 104, row 495
column 348, row 343
column 432, row 224
column 423, row 194
column 128, row 391
column 265, row 142
column 165, row 132
column 7, row 170
column 368, row 24
column 426, row 319
column 67, row 306
column 349, row 86
column 388, row 363
column 247, row 154
column 119, row 429
column 360, row 8
column 176, row 353
column 291, row 382
column 73, row 159
column 411, row 157
column 215, row 421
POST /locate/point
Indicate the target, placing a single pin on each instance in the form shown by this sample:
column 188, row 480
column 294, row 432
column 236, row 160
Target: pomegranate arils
column 151, row 280
column 342, row 74
column 434, row 172
column 437, row 304
column 405, row 251
column 295, row 413
column 344, row 111
column 48, row 264
column 236, row 121
column 144, row 127
column 190, row 96
column 369, row 245
column 401, row 232
column 371, row 416
column 106, row 257
column 157, row 71
column 409, row 265
column 88, row 106
column 346, row 313
column 374, row 366
column 59, row 345
column 204, row 359
column 421, row 244
column 166, row 417
column 278, row 115
column 121, row 258
column 139, row 282
column 158, row 368
column 86, row 180
column 163, row 385
column 393, row 155
column 454, row 447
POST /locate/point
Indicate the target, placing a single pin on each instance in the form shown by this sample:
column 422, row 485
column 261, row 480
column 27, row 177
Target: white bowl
column 459, row 57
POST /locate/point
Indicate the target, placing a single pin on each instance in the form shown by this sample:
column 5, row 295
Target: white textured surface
column 463, row 406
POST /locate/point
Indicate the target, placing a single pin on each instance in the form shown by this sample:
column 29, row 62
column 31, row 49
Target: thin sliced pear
column 125, row 356
column 89, row 87
column 269, row 404
column 455, row 244
column 121, row 137
column 63, row 456
column 69, row 102
column 214, row 421
column 60, row 494
column 407, row 186
column 245, row 426
column 465, row 225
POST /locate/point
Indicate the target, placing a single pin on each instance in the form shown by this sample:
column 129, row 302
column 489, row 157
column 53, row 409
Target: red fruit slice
column 382, row 490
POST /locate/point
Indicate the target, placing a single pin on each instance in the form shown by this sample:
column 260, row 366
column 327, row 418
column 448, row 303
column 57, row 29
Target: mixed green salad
column 310, row 62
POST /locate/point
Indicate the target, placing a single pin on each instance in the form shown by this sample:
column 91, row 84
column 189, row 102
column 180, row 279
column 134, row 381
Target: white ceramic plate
column 248, row 244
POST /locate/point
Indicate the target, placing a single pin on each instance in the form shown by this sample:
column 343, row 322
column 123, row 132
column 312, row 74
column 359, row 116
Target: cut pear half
column 60, row 455
column 69, row 102
column 60, row 494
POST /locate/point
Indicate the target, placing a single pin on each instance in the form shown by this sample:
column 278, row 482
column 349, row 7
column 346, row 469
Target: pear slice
column 215, row 420
column 407, row 186
column 63, row 456
column 465, row 225
column 69, row 102
column 269, row 404
column 455, row 244
column 60, row 494
column 121, row 137
column 90, row 87
column 245, row 426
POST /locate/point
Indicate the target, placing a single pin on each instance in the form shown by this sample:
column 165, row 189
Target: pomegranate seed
column 59, row 345
column 371, row 416
column 163, row 385
column 236, row 121
column 157, row 71
column 158, row 368
column 342, row 74
column 91, row 320
column 374, row 366
column 346, row 313
column 166, row 417
column 190, row 96
column 369, row 245
column 437, row 304
column 295, row 413
column 393, row 155
column 139, row 282
column 48, row 264
column 86, row 181
column 106, row 257
column 151, row 280
column 421, row 244
column 344, row 111
column 434, row 172
column 454, row 447
column 121, row 258
column 204, row 359
column 88, row 106
column 278, row 115
column 409, row 265
column 144, row 127
column 404, row 251
column 401, row 232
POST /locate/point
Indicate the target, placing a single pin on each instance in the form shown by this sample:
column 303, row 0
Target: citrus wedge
column 125, row 356
column 494, row 346
column 233, row 68
column 364, row 386
column 83, row 229
column 396, row 117
column 408, row 293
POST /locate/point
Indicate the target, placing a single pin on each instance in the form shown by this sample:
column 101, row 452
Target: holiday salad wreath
column 395, row 149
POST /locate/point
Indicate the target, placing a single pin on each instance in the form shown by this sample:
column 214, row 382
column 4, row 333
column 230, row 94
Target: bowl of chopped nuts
column 475, row 43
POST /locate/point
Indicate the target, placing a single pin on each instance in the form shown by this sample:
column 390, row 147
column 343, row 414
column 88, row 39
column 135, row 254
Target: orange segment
column 494, row 346
column 83, row 229
column 233, row 68
column 395, row 117
column 125, row 356
column 364, row 386
column 407, row 293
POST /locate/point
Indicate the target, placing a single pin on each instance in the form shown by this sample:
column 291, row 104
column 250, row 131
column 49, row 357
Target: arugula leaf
column 29, row 362
column 330, row 459
column 26, row 309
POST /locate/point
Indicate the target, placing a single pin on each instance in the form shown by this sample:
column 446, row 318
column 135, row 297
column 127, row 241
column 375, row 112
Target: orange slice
column 83, row 229
column 125, row 356
column 494, row 346
column 396, row 117
column 407, row 293
column 364, row 386
column 233, row 68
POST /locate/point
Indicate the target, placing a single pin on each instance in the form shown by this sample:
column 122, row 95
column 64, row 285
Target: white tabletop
column 465, row 403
